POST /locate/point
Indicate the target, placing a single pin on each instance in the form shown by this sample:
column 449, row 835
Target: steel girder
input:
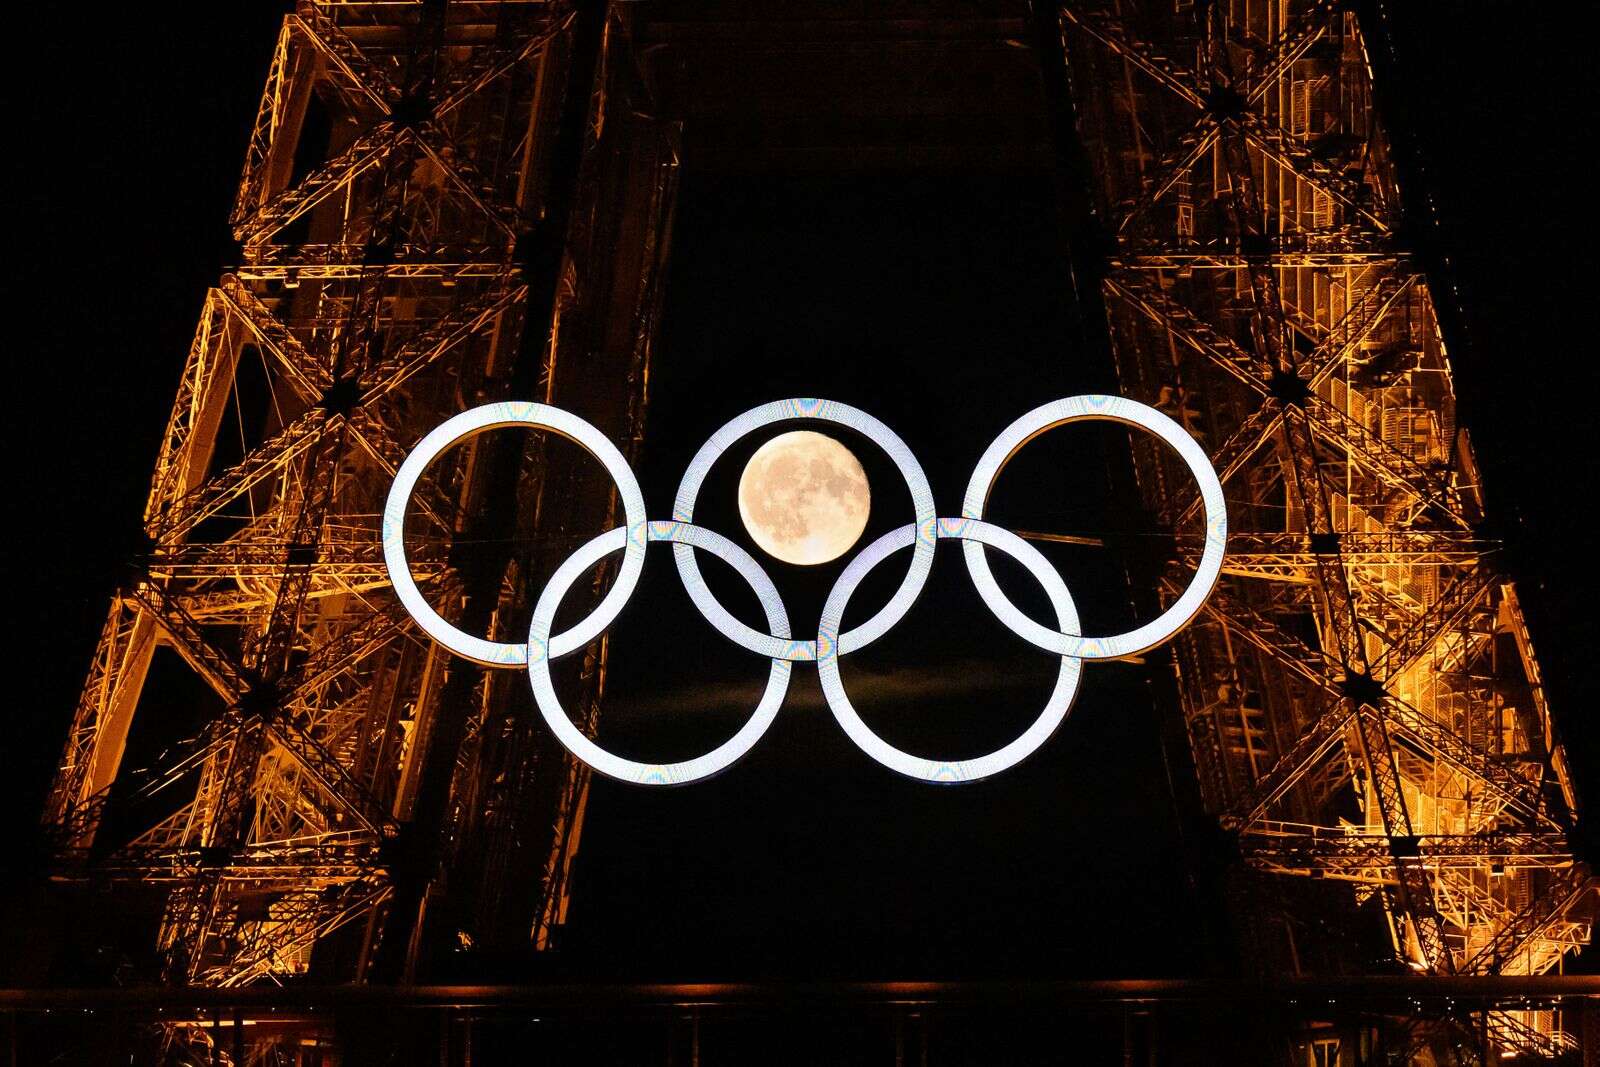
column 396, row 173
column 1362, row 698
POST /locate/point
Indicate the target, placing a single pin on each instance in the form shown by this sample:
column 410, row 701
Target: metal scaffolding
column 1361, row 697
column 445, row 204
column 441, row 204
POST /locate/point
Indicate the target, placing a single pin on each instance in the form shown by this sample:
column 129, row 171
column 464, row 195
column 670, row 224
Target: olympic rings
column 971, row 531
column 824, row 411
column 627, row 770
column 1107, row 409
column 779, row 645
column 470, row 424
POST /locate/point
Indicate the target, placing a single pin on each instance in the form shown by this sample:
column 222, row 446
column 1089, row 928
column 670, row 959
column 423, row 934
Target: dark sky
column 946, row 320
column 126, row 169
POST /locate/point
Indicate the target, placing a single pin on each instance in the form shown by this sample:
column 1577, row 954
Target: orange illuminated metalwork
column 1361, row 697
column 445, row 205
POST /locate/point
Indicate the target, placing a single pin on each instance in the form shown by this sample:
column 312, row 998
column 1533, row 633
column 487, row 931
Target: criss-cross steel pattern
column 397, row 212
column 445, row 204
column 1362, row 699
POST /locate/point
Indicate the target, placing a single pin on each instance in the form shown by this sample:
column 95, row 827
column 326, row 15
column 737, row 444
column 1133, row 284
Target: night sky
column 933, row 302
column 807, row 857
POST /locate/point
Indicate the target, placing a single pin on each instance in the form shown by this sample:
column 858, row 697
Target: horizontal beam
column 1307, row 853
column 605, row 999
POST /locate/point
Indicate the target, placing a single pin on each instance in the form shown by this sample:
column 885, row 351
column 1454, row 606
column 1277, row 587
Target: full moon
column 803, row 497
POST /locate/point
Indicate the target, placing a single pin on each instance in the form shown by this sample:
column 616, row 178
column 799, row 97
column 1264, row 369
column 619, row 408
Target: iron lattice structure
column 1361, row 696
column 441, row 204
column 449, row 203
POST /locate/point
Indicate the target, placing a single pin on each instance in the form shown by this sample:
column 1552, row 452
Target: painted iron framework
column 1361, row 696
column 441, row 204
column 445, row 204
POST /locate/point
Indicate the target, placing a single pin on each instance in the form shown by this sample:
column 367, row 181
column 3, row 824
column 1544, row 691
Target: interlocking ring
column 615, row 766
column 779, row 645
column 1129, row 413
column 822, row 411
column 470, row 424
column 970, row 531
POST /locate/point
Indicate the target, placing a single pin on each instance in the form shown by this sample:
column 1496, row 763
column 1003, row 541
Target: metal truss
column 1362, row 699
column 399, row 195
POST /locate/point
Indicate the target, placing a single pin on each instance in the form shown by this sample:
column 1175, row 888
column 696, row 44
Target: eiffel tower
column 444, row 204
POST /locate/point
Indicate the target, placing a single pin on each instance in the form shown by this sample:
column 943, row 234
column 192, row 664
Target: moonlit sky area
column 804, row 497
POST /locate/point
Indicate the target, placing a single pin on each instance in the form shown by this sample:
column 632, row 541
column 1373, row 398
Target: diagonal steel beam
column 1303, row 31
column 1187, row 327
column 300, row 368
column 346, row 57
column 326, row 770
column 1357, row 324
column 441, row 336
column 1291, row 768
column 1292, row 153
column 493, row 64
column 1442, row 616
column 1567, row 890
column 1233, row 454
column 209, row 498
column 1115, row 35
column 1385, row 462
column 361, row 155
column 1442, row 743
column 1171, row 168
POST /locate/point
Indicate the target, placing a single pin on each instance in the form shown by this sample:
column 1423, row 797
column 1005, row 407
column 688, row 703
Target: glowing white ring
column 610, row 764
column 972, row 531
column 923, row 510
column 469, row 424
column 829, row 644
column 1129, row 413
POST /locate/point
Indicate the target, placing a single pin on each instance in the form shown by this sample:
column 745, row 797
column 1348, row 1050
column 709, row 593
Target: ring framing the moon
column 829, row 644
column 804, row 498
